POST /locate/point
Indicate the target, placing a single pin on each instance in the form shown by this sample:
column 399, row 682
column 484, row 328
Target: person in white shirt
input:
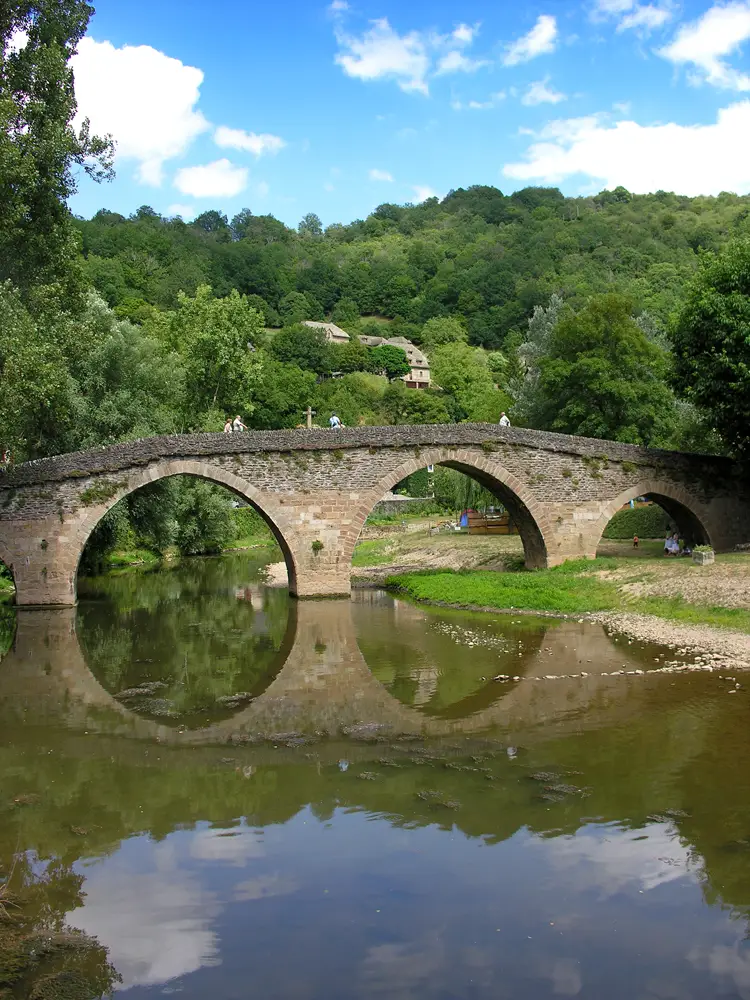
column 237, row 425
column 335, row 421
column 228, row 426
column 503, row 421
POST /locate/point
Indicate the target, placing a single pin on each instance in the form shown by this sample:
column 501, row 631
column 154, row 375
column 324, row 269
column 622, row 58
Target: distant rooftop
column 331, row 331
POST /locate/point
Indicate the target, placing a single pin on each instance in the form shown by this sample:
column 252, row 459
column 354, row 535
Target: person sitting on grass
column 672, row 545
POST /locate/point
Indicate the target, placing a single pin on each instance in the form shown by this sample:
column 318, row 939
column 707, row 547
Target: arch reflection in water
column 374, row 666
column 188, row 644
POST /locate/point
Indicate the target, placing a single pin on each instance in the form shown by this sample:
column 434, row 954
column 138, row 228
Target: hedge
column 248, row 523
column 649, row 521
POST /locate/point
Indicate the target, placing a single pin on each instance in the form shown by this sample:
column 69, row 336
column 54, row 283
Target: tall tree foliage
column 712, row 343
column 39, row 146
column 602, row 377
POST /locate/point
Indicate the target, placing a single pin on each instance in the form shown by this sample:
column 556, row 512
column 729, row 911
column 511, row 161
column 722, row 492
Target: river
column 209, row 790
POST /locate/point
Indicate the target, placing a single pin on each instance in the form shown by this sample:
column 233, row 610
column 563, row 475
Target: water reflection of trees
column 7, row 628
column 672, row 766
column 41, row 957
column 191, row 630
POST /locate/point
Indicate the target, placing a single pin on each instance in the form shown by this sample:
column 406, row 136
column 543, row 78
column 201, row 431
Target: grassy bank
column 605, row 584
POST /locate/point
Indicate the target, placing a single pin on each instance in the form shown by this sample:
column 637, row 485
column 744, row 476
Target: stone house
column 418, row 377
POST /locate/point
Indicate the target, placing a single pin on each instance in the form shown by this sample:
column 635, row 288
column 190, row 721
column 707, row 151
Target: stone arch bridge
column 315, row 489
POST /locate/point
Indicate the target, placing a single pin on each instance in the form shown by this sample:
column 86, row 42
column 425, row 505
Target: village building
column 417, row 378
column 334, row 334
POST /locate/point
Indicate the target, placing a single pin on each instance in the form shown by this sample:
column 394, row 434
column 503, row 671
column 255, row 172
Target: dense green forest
column 615, row 316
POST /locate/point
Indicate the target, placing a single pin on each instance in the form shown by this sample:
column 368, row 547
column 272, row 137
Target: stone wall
column 316, row 488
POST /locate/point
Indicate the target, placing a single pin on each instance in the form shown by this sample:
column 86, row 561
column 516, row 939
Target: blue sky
column 334, row 108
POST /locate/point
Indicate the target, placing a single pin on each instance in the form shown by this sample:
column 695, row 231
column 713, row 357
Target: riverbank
column 675, row 590
column 703, row 611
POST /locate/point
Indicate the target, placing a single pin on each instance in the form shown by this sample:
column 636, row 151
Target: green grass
column 572, row 588
column 375, row 552
column 544, row 590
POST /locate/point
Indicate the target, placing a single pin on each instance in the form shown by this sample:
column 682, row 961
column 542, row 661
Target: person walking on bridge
column 503, row 421
column 237, row 425
column 228, row 426
column 335, row 422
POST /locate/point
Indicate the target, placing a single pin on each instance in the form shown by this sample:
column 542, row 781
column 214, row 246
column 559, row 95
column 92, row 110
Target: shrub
column 647, row 522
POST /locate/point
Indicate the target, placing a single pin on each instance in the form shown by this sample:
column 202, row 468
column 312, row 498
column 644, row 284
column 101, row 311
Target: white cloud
column 380, row 175
column 265, row 886
column 705, row 43
column 330, row 188
column 144, row 98
column 338, row 6
column 492, row 102
column 539, row 41
column 249, row 142
column 156, row 925
column 540, row 93
column 464, row 34
column 186, row 212
column 235, row 845
column 691, row 159
column 642, row 18
column 262, row 189
column 456, row 62
column 422, row 193
column 612, row 860
column 381, row 53
column 645, row 19
column 212, row 180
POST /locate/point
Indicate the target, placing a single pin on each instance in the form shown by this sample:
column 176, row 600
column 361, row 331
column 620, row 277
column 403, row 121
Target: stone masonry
column 315, row 488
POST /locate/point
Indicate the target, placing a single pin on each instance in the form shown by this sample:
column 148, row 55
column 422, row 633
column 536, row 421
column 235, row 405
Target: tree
column 711, row 338
column 39, row 147
column 345, row 313
column 464, row 373
column 442, row 330
column 411, row 406
column 303, row 346
column 390, row 360
column 310, row 225
column 282, row 394
column 216, row 339
column 351, row 357
column 602, row 376
column 294, row 308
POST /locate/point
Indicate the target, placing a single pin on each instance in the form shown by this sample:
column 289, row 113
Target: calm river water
column 210, row 791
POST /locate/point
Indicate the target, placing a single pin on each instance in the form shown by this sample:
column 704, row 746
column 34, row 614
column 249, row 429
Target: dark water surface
column 213, row 792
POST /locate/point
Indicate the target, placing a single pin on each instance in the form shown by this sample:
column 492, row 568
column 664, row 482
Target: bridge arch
column 524, row 509
column 274, row 517
column 691, row 521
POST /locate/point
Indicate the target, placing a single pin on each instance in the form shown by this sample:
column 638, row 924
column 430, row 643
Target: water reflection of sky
column 354, row 906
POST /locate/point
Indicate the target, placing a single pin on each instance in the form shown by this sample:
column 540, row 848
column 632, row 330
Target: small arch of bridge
column 274, row 517
column 682, row 509
column 526, row 512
